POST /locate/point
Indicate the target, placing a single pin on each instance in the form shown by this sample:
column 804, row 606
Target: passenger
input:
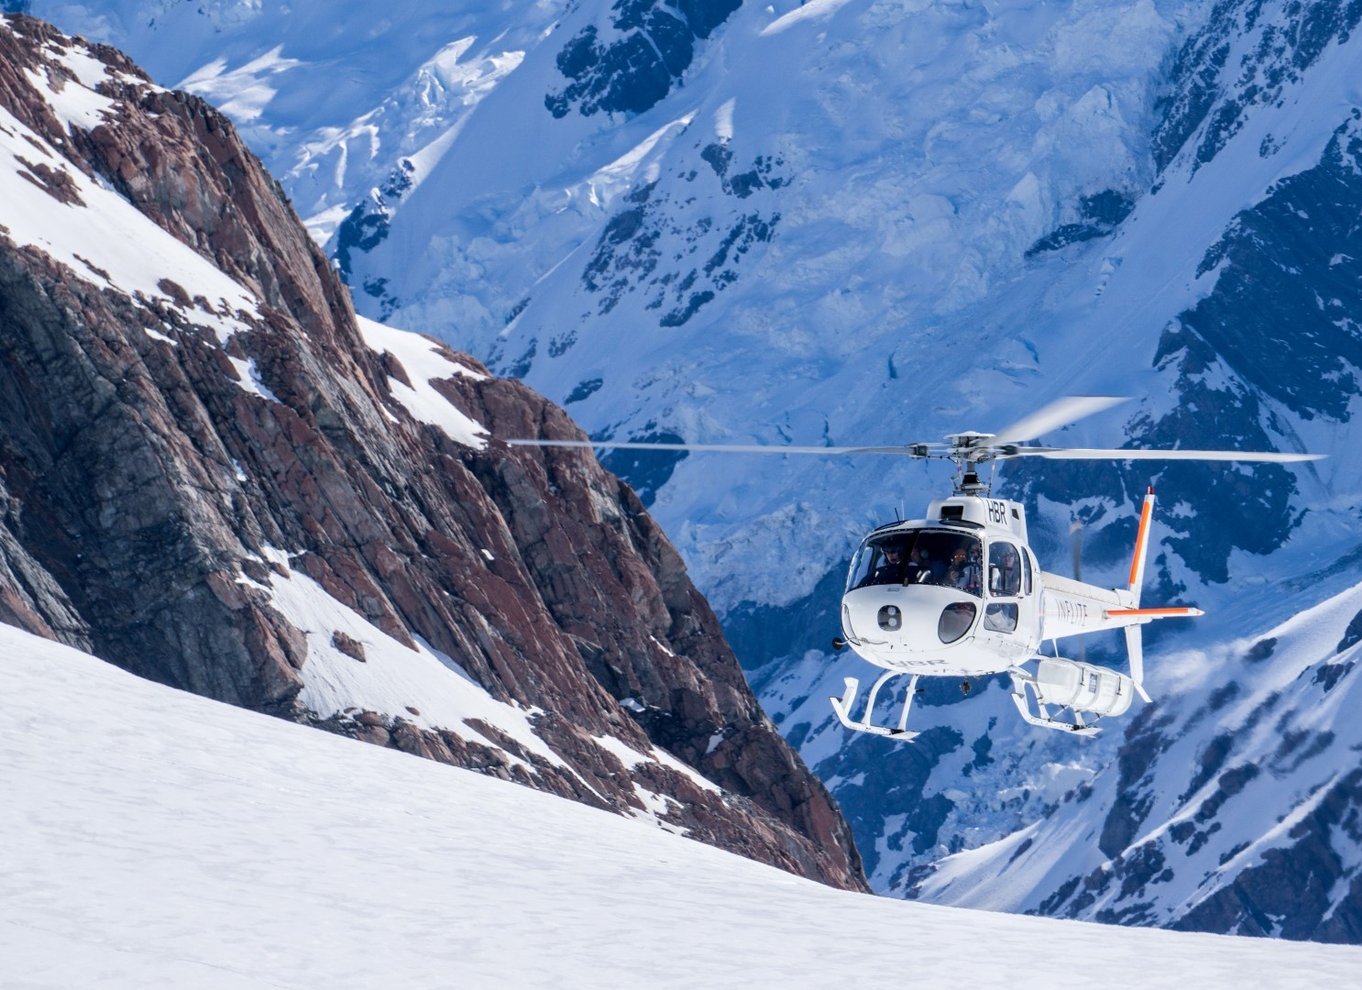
column 963, row 573
column 916, row 570
column 1005, row 578
column 934, row 571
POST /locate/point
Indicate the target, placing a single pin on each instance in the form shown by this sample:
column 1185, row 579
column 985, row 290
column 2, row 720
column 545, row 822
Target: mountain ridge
column 217, row 477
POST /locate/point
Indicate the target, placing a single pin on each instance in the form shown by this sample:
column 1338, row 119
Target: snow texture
column 426, row 361
column 157, row 839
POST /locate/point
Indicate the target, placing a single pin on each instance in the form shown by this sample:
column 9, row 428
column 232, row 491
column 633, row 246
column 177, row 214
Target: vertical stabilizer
column 1141, row 546
column 1134, row 643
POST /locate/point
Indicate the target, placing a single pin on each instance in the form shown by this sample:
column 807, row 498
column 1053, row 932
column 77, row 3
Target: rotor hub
column 971, row 447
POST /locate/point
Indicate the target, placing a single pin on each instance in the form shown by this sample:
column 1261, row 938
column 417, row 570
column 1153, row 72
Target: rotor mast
column 968, row 451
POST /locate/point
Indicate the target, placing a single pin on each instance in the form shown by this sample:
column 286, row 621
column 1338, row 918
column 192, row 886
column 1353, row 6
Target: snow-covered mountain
column 214, row 475
column 234, row 850
column 877, row 221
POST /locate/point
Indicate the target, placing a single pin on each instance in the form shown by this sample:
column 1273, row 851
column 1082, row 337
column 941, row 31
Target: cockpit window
column 922, row 556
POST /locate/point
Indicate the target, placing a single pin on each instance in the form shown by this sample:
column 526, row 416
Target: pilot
column 889, row 571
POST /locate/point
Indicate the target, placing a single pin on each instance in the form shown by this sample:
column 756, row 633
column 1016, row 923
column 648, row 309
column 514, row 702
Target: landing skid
column 843, row 705
column 1024, row 699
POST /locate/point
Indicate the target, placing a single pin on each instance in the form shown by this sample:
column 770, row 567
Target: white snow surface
column 423, row 686
column 156, row 839
column 424, row 363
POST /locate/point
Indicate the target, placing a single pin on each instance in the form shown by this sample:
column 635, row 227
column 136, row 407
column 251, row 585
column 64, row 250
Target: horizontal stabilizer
column 1167, row 612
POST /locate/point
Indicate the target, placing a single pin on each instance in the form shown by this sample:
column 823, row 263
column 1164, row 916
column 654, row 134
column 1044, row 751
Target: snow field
column 156, row 839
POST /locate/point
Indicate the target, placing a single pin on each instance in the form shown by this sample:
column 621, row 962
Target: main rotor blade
column 1092, row 453
column 1059, row 413
column 911, row 450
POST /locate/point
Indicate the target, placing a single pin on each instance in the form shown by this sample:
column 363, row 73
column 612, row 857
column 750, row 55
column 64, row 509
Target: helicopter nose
column 889, row 618
column 913, row 619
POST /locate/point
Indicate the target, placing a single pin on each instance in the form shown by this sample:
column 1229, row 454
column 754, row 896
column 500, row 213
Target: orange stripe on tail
column 1172, row 610
column 1141, row 538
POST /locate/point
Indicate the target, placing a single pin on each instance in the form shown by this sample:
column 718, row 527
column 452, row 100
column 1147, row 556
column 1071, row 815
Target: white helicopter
column 960, row 594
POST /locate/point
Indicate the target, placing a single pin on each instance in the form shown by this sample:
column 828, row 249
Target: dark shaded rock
column 1282, row 312
column 367, row 226
column 1144, row 741
column 1352, row 635
column 1099, row 215
column 627, row 256
column 1209, row 93
column 1329, row 674
column 646, row 471
column 584, row 390
column 1294, row 891
column 652, row 44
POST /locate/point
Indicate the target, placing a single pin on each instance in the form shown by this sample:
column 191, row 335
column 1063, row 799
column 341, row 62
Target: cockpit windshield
column 921, row 556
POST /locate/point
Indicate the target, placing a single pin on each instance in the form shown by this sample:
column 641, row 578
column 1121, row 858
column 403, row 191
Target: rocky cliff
column 214, row 475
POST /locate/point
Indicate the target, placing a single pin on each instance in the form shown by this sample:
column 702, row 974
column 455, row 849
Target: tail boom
column 1143, row 615
column 1073, row 608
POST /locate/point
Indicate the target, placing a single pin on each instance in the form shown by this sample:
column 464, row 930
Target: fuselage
column 957, row 594
column 960, row 594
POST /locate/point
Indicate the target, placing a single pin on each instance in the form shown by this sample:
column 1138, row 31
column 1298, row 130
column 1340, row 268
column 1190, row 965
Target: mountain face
column 877, row 221
column 214, row 475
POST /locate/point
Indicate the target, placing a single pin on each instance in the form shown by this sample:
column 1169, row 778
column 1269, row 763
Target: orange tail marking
column 1140, row 537
column 1170, row 610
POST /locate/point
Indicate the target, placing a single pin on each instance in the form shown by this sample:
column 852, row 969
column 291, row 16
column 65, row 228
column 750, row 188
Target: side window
column 1001, row 617
column 1026, row 573
column 1004, row 570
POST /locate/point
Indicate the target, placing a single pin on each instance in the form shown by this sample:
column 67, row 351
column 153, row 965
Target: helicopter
column 960, row 594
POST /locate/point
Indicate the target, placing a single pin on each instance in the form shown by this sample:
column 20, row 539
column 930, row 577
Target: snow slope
column 155, row 839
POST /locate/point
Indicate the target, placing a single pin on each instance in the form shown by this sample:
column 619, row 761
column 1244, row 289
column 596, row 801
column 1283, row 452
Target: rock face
column 630, row 64
column 232, row 486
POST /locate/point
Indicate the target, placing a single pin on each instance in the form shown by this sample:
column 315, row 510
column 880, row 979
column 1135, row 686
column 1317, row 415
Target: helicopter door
column 1009, row 616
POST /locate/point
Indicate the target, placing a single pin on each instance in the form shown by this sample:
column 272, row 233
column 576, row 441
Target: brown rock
column 142, row 487
column 348, row 645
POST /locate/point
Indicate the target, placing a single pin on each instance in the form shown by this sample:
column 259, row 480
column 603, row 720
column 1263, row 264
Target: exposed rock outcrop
column 183, row 460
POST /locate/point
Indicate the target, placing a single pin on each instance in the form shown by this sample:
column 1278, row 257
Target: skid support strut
column 1022, row 680
column 843, row 706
